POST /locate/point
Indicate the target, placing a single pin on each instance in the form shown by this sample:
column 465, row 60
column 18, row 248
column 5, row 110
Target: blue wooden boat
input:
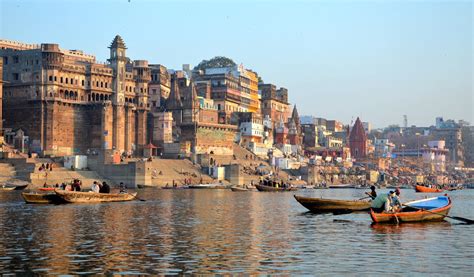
column 430, row 209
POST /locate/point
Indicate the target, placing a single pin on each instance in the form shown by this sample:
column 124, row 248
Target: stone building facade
column 274, row 103
column 1, row 100
column 67, row 102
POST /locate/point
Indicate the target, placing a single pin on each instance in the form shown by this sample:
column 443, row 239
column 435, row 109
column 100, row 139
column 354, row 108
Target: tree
column 217, row 61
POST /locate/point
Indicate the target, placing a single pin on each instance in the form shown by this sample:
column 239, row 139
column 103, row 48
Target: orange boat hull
column 427, row 189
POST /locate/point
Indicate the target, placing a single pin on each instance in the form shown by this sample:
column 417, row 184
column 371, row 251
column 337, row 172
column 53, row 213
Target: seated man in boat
column 395, row 203
column 382, row 203
column 105, row 188
column 95, row 187
column 372, row 193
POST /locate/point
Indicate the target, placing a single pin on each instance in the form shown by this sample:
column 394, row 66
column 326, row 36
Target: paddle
column 364, row 198
column 466, row 220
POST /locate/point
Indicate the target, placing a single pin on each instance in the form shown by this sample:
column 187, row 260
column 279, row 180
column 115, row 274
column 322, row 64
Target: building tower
column 358, row 140
column 118, row 61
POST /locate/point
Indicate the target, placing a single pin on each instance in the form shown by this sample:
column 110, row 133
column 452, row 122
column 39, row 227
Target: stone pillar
column 128, row 140
column 141, row 119
column 118, row 132
column 235, row 178
column 106, row 127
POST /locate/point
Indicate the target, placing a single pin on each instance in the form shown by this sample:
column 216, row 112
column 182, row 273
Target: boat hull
column 238, row 189
column 42, row 198
column 93, row 197
column 427, row 190
column 321, row 205
column 267, row 188
column 13, row 187
column 437, row 214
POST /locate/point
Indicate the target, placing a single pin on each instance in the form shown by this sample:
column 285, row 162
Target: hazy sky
column 339, row 59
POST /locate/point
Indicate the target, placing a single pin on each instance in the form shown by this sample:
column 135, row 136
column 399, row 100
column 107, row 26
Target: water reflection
column 177, row 232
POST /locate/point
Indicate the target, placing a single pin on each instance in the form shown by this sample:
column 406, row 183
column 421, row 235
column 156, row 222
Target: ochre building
column 66, row 102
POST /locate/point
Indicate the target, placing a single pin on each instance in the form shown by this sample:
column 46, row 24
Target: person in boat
column 105, row 188
column 95, row 187
column 382, row 203
column 77, row 185
column 122, row 187
column 63, row 186
column 395, row 203
column 372, row 194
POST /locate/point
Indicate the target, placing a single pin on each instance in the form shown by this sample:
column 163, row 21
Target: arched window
column 101, row 97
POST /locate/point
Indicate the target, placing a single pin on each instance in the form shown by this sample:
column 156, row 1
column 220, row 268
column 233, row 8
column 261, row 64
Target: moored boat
column 13, row 187
column 41, row 198
column 237, row 188
column 322, row 205
column 419, row 188
column 430, row 209
column 93, row 197
column 268, row 188
column 46, row 189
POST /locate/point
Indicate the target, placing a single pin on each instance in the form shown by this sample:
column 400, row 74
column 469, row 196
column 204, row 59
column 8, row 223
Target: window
column 82, row 82
column 16, row 59
column 105, row 84
column 66, row 80
column 51, row 78
column 16, row 76
column 5, row 60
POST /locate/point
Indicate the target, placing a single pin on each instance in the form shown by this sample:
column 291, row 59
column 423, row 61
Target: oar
column 364, row 198
column 466, row 220
column 135, row 196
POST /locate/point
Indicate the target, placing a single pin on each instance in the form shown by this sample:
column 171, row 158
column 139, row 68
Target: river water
column 220, row 231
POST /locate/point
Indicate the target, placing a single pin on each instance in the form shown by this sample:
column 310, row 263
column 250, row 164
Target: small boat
column 321, row 205
column 268, row 188
column 237, row 188
column 178, row 187
column 208, row 186
column 13, row 187
column 343, row 186
column 41, row 198
column 430, row 209
column 93, row 197
column 419, row 188
column 46, row 189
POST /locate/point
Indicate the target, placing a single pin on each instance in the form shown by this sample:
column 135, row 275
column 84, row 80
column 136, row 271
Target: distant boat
column 93, row 197
column 430, row 209
column 322, row 205
column 13, row 187
column 344, row 186
column 208, row 186
column 268, row 188
column 419, row 188
column 46, row 189
column 237, row 188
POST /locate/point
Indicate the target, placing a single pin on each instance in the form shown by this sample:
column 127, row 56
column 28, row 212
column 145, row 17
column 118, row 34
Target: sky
column 378, row 60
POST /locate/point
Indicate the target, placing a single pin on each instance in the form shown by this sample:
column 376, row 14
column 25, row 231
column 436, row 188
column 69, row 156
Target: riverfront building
column 67, row 102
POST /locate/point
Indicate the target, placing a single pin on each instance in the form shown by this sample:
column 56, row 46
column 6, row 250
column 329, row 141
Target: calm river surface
column 220, row 231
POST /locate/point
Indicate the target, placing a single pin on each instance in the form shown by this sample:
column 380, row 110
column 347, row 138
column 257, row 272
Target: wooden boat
column 343, row 186
column 178, row 187
column 419, row 188
column 208, row 186
column 268, row 188
column 321, row 205
column 46, row 189
column 237, row 188
column 13, row 187
column 93, row 197
column 41, row 198
column 430, row 209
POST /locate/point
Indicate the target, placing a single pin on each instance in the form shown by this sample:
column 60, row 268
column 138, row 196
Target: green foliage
column 218, row 61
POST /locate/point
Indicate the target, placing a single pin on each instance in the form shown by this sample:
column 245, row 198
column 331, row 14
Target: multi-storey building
column 233, row 89
column 159, row 86
column 67, row 102
column 274, row 103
